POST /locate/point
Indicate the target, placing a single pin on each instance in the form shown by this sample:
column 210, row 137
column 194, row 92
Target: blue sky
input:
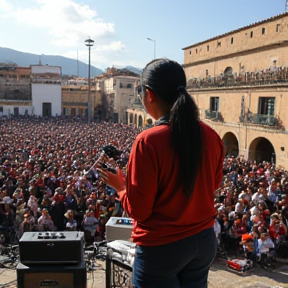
column 120, row 28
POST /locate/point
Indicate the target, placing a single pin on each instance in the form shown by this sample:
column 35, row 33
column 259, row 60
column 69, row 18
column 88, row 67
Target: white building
column 46, row 90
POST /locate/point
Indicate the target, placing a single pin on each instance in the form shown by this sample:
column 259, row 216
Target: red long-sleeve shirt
column 153, row 195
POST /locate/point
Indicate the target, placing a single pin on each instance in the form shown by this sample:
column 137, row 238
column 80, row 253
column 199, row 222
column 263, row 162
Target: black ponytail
column 185, row 138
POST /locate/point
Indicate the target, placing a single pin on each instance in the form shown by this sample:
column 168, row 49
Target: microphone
column 108, row 152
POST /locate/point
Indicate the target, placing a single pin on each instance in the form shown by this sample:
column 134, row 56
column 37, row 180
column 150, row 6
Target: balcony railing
column 261, row 119
column 277, row 75
column 213, row 115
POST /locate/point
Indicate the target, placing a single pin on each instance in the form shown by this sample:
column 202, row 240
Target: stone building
column 118, row 93
column 75, row 99
column 15, row 90
column 240, row 83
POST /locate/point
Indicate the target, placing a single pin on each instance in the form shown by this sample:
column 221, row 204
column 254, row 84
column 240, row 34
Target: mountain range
column 69, row 66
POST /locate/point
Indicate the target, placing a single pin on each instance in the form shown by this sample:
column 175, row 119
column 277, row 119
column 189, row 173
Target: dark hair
column 166, row 78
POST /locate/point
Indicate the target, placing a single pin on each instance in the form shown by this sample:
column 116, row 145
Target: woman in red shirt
column 173, row 170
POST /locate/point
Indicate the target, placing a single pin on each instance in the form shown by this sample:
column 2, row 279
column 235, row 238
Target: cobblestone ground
column 219, row 277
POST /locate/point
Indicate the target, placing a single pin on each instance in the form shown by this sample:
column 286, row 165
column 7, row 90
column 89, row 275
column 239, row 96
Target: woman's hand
column 116, row 181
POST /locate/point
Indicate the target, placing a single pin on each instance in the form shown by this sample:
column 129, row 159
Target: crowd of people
column 44, row 184
column 252, row 209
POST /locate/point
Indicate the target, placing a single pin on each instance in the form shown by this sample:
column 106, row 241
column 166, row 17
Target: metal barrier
column 118, row 273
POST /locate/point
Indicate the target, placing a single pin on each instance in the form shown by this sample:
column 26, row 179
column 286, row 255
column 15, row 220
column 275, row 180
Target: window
column 263, row 31
column 129, row 85
column 190, row 52
column 196, row 51
column 208, row 48
column 16, row 111
column 232, row 40
column 214, row 104
column 243, row 106
column 218, row 44
column 207, row 72
column 121, row 85
column 251, row 34
column 277, row 27
column 266, row 105
column 274, row 63
column 1, row 109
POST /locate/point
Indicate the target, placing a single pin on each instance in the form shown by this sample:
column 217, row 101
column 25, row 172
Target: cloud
column 65, row 22
column 64, row 25
column 5, row 6
column 113, row 47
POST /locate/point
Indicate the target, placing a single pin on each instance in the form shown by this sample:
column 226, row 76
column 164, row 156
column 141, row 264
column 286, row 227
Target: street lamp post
column 89, row 42
column 154, row 46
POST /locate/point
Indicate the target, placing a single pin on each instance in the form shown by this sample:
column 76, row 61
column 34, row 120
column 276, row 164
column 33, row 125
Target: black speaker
column 60, row 276
column 51, row 248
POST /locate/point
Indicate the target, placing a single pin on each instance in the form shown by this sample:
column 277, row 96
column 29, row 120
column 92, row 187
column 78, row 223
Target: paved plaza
column 219, row 277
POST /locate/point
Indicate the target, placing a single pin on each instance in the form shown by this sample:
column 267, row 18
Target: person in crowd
column 90, row 225
column 166, row 190
column 7, row 214
column 236, row 231
column 248, row 247
column 71, row 224
column 19, row 206
column 28, row 224
column 44, row 222
column 277, row 228
column 264, row 212
column 265, row 243
column 33, row 201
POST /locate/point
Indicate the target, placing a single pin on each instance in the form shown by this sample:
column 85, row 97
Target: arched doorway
column 261, row 150
column 231, row 144
column 228, row 75
column 140, row 121
column 131, row 119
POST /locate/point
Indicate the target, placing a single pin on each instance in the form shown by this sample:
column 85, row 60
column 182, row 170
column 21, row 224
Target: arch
column 228, row 71
column 261, row 149
column 228, row 75
column 140, row 121
column 131, row 118
column 231, row 144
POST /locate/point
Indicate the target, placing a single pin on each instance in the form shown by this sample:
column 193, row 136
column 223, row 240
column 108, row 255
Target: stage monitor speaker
column 58, row 276
column 51, row 247
column 119, row 228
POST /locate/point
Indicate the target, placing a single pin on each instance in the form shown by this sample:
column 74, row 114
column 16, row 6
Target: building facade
column 239, row 81
column 119, row 93
column 75, row 99
column 15, row 90
column 46, row 90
